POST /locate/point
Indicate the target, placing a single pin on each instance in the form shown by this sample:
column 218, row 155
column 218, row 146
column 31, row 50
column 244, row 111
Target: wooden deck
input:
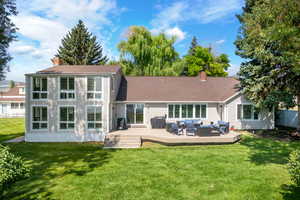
column 162, row 136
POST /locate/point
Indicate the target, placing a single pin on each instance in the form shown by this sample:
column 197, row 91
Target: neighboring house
column 12, row 100
column 83, row 103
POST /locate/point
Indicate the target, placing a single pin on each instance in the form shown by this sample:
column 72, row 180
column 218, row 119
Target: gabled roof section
column 81, row 69
column 192, row 89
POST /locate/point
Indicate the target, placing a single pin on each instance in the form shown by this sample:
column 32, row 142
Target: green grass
column 252, row 169
column 11, row 128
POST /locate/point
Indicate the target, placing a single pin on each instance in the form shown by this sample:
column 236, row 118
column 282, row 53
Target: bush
column 294, row 167
column 12, row 169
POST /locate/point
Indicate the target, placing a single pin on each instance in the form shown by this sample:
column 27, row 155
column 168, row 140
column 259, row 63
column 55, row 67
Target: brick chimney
column 202, row 75
column 56, row 61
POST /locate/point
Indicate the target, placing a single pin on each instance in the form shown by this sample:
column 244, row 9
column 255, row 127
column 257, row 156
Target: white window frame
column 144, row 106
column 22, row 107
column 87, row 122
column 242, row 112
column 40, row 91
column 59, row 121
column 31, row 118
column 180, row 111
column 67, row 91
column 94, row 91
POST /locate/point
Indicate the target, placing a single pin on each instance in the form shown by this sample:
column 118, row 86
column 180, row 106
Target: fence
column 287, row 118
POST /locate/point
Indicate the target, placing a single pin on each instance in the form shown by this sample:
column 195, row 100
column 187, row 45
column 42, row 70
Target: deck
column 164, row 137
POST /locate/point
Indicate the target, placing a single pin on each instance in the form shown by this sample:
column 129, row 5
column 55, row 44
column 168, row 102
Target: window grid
column 247, row 112
column 14, row 106
column 94, row 88
column 39, row 117
column 182, row 111
column 39, row 88
column 94, row 117
column 66, row 118
column 67, row 88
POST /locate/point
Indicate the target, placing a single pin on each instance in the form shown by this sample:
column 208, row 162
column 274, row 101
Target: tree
column 79, row 47
column 145, row 54
column 203, row 59
column 194, row 44
column 7, row 33
column 269, row 39
column 12, row 169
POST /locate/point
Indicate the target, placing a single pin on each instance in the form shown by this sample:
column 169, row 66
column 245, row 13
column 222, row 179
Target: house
column 12, row 100
column 83, row 103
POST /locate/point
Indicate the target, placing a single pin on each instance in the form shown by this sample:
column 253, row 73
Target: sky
column 43, row 23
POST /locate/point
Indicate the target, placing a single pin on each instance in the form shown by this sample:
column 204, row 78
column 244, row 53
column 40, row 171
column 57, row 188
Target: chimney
column 202, row 75
column 56, row 61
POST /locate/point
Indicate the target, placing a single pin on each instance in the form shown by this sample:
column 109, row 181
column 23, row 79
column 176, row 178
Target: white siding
column 266, row 118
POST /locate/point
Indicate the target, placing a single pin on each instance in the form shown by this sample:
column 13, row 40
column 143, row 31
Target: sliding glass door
column 135, row 113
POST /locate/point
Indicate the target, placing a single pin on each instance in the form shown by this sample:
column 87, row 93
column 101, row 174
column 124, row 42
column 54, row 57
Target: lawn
column 254, row 168
column 11, row 128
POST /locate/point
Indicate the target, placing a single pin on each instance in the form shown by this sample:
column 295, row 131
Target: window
column 21, row 105
column 200, row 111
column 22, row 90
column 14, row 106
column 187, row 111
column 94, row 117
column 67, row 88
column 39, row 88
column 39, row 117
column 94, row 88
column 67, row 118
column 247, row 112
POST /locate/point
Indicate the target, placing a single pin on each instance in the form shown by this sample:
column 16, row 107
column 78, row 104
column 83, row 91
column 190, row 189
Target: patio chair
column 173, row 128
column 190, row 129
column 223, row 126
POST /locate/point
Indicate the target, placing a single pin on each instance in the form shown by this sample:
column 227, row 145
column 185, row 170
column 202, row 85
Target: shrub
column 12, row 169
column 294, row 167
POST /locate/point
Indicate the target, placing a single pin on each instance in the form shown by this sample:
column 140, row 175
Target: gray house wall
column 266, row 118
column 80, row 132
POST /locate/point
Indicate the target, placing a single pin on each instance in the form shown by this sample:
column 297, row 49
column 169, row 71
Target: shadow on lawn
column 290, row 192
column 9, row 136
column 53, row 161
column 265, row 150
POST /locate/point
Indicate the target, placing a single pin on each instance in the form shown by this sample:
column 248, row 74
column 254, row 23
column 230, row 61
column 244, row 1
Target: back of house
column 84, row 103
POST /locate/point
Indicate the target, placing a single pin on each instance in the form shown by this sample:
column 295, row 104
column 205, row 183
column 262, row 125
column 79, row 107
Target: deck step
column 117, row 141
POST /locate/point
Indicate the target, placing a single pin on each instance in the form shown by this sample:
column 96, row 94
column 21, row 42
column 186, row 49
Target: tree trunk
column 298, row 104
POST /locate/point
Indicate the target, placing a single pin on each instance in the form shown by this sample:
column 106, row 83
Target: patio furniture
column 174, row 128
column 158, row 122
column 223, row 126
column 190, row 128
column 208, row 130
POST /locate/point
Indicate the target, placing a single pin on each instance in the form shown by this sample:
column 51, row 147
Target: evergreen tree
column 7, row 33
column 79, row 47
column 194, row 44
column 270, row 42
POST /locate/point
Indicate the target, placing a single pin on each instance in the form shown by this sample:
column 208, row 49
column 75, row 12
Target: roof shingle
column 81, row 69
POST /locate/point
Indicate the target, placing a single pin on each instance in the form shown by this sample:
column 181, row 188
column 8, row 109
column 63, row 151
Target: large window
column 39, row 117
column 94, row 117
column 247, row 112
column 67, row 88
column 187, row 111
column 67, row 118
column 39, row 88
column 94, row 88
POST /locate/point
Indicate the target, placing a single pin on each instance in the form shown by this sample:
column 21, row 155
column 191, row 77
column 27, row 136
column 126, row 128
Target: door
column 3, row 108
column 135, row 113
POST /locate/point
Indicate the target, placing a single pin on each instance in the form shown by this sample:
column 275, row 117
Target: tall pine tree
column 7, row 33
column 79, row 47
column 194, row 44
column 270, row 42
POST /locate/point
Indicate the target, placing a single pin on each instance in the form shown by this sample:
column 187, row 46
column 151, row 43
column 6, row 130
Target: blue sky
column 43, row 23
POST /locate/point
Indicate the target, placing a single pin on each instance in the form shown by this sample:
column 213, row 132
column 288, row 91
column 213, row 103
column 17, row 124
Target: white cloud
column 201, row 11
column 233, row 69
column 43, row 23
column 177, row 32
column 220, row 41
